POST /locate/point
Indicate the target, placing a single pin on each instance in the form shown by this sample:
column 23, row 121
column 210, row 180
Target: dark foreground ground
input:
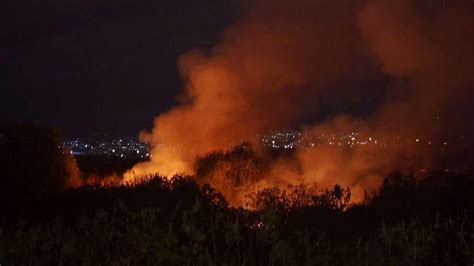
column 176, row 222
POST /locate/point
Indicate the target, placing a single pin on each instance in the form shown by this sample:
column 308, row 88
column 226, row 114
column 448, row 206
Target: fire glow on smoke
column 285, row 61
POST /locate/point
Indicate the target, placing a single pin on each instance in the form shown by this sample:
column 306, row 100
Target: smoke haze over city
column 271, row 68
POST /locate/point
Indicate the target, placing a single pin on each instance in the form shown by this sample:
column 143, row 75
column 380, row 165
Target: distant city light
column 121, row 148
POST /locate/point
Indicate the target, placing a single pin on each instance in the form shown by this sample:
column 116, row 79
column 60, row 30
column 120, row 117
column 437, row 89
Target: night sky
column 95, row 67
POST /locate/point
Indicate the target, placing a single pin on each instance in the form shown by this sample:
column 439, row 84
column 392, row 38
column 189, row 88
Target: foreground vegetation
column 184, row 221
column 161, row 222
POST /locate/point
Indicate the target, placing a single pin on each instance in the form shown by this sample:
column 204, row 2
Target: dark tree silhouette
column 33, row 161
column 230, row 171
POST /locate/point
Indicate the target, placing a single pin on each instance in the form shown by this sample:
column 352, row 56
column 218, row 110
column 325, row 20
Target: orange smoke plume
column 284, row 62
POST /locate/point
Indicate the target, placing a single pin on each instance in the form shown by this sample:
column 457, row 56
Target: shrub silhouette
column 230, row 172
column 405, row 196
column 177, row 222
column 34, row 161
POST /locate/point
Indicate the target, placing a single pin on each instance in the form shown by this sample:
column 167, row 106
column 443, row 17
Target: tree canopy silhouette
column 33, row 160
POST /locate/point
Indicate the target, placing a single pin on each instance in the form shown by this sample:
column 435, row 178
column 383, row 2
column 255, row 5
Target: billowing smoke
column 284, row 64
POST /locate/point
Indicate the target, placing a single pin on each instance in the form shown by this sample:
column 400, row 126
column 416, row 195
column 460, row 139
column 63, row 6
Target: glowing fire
column 283, row 62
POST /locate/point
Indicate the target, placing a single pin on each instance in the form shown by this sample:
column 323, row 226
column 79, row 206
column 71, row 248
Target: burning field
column 281, row 63
column 313, row 132
column 399, row 74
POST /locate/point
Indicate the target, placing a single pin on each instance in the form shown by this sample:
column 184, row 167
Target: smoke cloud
column 284, row 62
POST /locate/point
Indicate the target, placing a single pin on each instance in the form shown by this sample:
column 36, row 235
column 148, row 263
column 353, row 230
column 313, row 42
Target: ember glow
column 272, row 68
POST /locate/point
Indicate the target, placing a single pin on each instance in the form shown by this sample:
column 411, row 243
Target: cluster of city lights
column 122, row 148
column 291, row 140
column 125, row 148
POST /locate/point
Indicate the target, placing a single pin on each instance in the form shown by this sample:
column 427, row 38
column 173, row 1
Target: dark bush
column 33, row 161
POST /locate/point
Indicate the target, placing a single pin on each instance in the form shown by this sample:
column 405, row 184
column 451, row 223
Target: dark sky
column 100, row 66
